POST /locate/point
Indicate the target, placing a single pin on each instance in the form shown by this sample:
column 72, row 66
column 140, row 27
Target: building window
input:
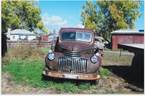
column 13, row 37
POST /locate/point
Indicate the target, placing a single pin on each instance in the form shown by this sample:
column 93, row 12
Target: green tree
column 18, row 14
column 118, row 15
column 107, row 16
column 89, row 15
column 41, row 26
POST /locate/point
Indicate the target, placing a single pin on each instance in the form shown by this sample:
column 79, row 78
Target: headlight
column 95, row 59
column 51, row 55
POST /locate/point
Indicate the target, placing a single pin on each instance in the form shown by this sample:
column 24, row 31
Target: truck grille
column 72, row 64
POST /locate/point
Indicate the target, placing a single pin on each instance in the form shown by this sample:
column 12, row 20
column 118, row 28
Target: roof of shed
column 127, row 32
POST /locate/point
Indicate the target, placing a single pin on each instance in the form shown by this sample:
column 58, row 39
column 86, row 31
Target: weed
column 70, row 87
column 84, row 86
column 59, row 87
column 104, row 72
column 22, row 52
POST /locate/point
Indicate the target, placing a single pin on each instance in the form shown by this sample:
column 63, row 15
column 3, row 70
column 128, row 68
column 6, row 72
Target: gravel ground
column 112, row 84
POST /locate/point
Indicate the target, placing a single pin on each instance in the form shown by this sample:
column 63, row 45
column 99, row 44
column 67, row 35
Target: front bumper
column 78, row 76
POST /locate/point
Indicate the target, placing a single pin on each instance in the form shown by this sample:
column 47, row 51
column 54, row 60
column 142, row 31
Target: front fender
column 53, row 65
column 91, row 67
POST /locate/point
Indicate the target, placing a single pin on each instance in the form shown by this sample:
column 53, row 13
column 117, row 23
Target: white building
column 20, row 34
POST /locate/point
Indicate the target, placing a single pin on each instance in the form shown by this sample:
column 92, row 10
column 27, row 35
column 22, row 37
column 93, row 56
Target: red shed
column 44, row 38
column 127, row 36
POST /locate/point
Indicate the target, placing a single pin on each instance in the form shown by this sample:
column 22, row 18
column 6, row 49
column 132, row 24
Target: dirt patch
column 111, row 84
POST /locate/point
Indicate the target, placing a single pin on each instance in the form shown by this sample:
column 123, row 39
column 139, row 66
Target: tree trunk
column 4, row 44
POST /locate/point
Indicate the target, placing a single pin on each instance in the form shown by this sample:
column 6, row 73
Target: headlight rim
column 97, row 59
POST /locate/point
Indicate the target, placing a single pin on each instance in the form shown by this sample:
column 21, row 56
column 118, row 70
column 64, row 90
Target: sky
column 57, row 14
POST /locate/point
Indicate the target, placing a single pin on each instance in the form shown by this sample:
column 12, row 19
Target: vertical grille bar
column 75, row 64
column 86, row 65
column 60, row 63
column 79, row 67
column 72, row 63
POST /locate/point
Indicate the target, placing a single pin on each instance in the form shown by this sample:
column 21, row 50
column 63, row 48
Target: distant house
column 20, row 34
column 127, row 37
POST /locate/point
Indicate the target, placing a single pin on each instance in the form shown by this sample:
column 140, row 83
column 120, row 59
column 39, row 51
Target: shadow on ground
column 133, row 74
column 128, row 74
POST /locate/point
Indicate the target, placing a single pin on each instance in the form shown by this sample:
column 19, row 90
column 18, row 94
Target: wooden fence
column 35, row 43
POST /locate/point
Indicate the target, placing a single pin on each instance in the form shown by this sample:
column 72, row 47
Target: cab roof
column 75, row 30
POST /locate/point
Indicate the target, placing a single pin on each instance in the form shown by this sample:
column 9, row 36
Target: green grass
column 29, row 72
column 45, row 50
column 26, row 71
column 104, row 72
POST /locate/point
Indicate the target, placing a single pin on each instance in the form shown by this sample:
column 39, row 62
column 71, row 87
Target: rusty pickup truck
column 74, row 56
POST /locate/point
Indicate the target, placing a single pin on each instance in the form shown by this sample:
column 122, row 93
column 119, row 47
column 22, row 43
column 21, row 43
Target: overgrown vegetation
column 28, row 71
column 23, row 52
column 25, row 65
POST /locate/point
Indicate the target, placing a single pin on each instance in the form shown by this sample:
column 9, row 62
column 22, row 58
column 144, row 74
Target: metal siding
column 138, row 39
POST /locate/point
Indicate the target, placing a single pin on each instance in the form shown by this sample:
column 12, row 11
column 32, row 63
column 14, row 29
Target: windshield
column 78, row 36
